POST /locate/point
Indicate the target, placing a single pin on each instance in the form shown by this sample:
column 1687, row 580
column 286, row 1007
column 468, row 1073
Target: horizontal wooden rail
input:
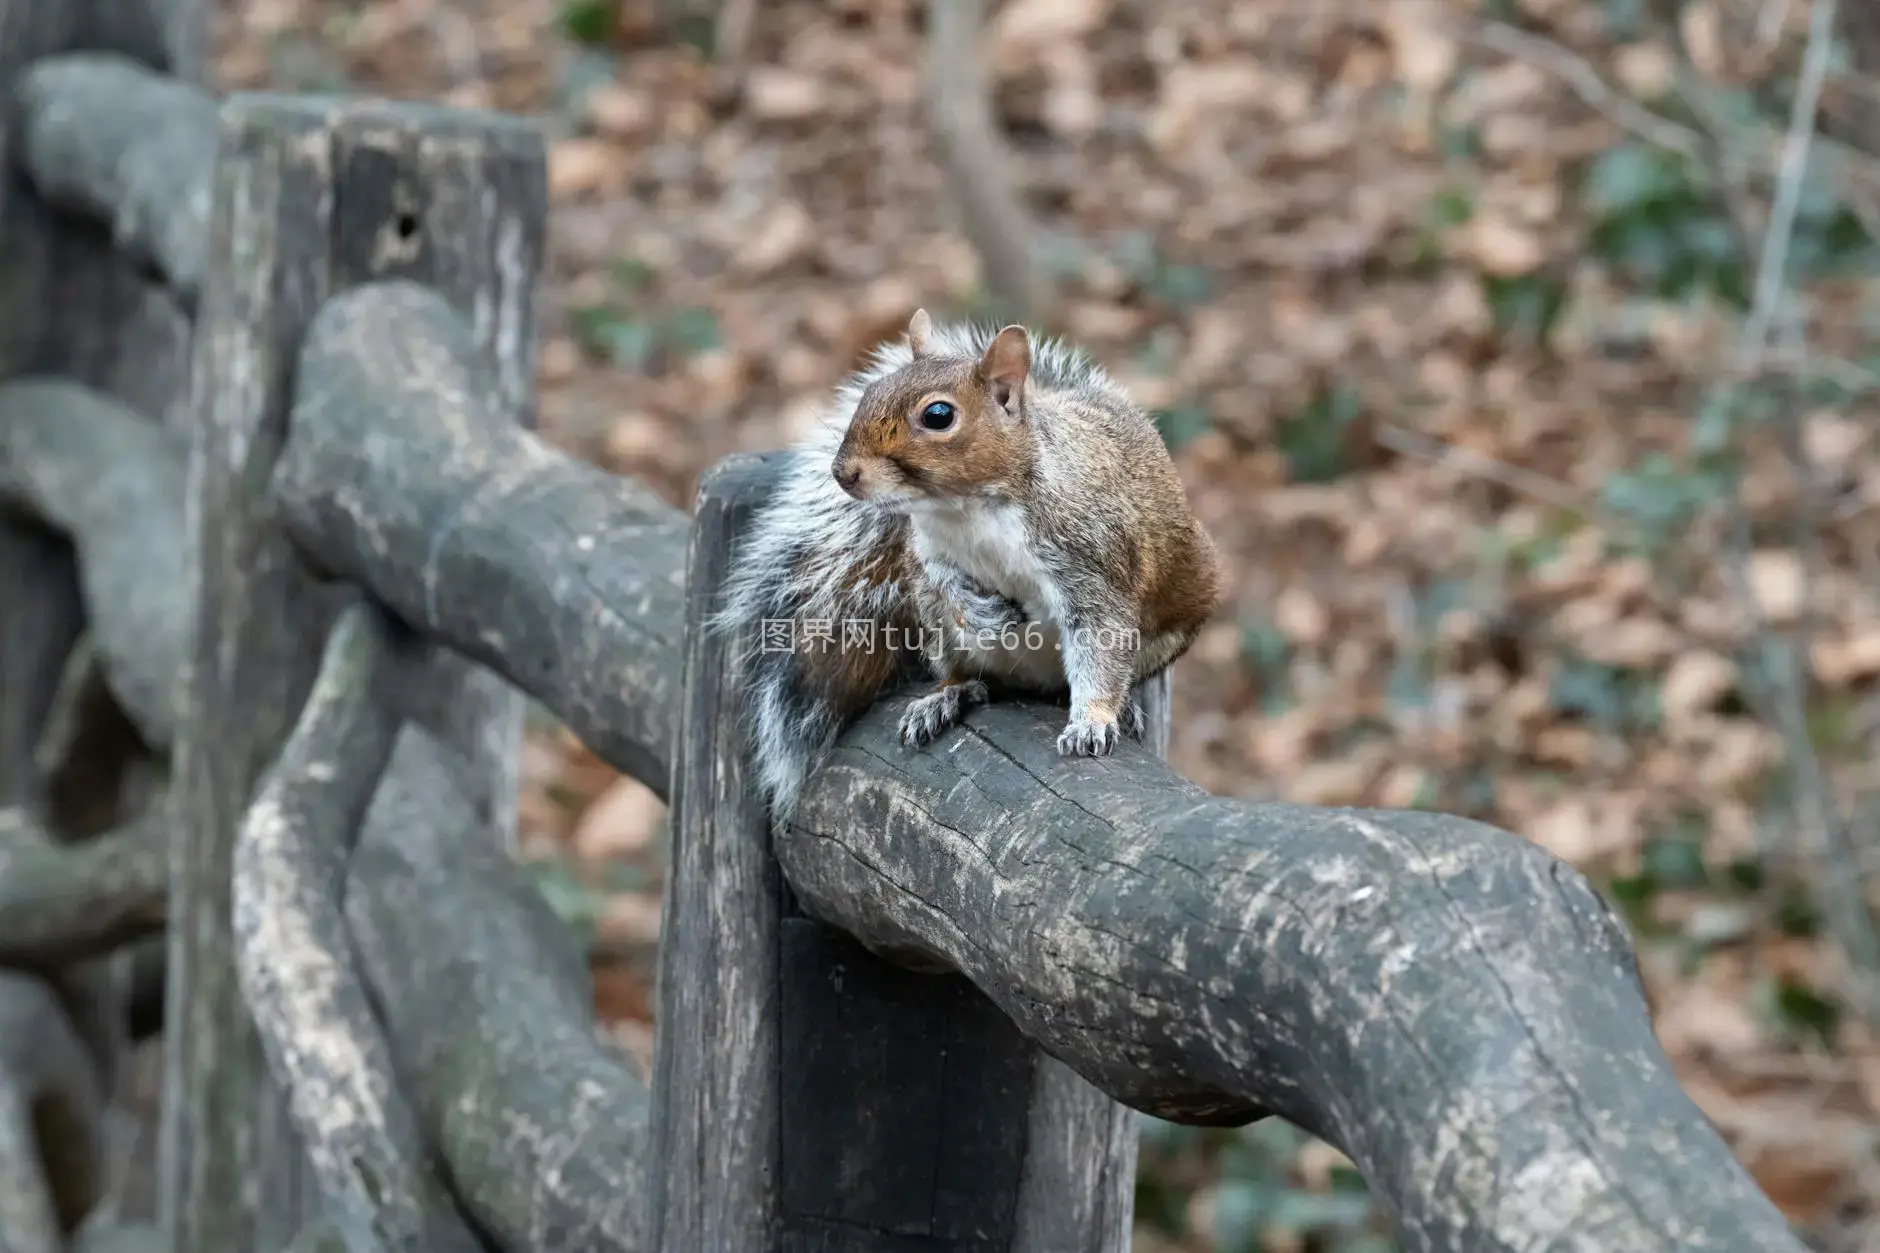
column 566, row 580
column 109, row 138
column 63, row 903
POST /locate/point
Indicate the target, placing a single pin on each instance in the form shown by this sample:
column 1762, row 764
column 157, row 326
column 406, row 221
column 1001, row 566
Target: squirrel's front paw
column 927, row 716
column 1086, row 737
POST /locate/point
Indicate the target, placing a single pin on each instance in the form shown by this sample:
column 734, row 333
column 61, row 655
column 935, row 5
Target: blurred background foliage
column 1519, row 354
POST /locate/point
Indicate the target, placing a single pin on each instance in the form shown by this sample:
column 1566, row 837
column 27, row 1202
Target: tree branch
column 978, row 166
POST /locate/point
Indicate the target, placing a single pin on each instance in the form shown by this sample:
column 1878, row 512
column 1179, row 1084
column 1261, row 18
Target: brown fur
column 883, row 566
column 853, row 678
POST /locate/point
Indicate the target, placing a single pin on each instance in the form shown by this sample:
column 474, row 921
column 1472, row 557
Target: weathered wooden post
column 313, row 196
column 810, row 1094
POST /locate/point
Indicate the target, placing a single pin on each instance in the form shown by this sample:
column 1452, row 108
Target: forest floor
column 1436, row 317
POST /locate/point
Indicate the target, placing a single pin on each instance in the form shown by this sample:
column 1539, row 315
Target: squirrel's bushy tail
column 813, row 564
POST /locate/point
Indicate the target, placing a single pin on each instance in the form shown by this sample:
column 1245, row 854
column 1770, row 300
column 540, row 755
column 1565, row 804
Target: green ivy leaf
column 587, row 21
column 1526, row 306
column 692, row 331
column 1801, row 1008
column 1675, row 861
column 1796, row 912
column 1181, row 286
column 1612, row 697
column 632, row 274
column 1317, row 440
column 1635, row 891
column 1630, row 177
column 1265, row 651
column 1159, row 1206
column 1660, row 497
column 1746, row 874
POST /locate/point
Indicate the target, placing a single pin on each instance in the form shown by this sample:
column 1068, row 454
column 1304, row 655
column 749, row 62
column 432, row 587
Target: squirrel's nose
column 847, row 476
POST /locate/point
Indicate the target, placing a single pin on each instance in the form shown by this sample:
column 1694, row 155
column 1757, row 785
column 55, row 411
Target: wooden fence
column 266, row 623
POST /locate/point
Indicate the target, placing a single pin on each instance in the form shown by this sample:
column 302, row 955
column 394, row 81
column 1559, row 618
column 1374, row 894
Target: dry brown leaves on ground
column 1321, row 240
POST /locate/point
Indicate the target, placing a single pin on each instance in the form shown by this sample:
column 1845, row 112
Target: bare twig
column 1772, row 267
column 978, row 166
column 1770, row 21
column 1482, row 466
column 1857, row 170
column 1579, row 74
column 1827, row 836
column 731, row 37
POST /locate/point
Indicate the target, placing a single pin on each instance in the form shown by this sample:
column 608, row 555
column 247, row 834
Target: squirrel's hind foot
column 927, row 717
column 1132, row 721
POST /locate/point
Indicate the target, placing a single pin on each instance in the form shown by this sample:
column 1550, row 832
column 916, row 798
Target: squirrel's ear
column 1006, row 362
column 919, row 329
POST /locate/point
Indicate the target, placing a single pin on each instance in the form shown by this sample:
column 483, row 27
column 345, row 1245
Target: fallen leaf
column 1424, row 52
column 1637, row 642
column 1046, row 23
column 630, row 918
column 785, row 234
column 1300, row 616
column 1777, row 580
column 582, row 166
column 616, row 112
column 774, row 94
column 619, row 823
column 1502, row 248
column 1831, row 440
column 1844, row 660
column 1695, row 683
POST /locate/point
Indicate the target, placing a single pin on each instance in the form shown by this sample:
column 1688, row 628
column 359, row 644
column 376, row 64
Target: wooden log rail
column 917, row 1018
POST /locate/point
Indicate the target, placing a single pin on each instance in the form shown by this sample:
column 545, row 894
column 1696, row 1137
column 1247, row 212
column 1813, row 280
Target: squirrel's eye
column 938, row 416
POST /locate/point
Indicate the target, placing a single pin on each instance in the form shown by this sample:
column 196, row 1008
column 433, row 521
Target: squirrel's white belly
column 988, row 543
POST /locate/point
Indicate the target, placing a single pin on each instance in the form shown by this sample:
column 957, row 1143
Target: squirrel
column 989, row 510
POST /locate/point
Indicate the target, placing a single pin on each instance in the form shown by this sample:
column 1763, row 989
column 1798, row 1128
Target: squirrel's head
column 940, row 427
